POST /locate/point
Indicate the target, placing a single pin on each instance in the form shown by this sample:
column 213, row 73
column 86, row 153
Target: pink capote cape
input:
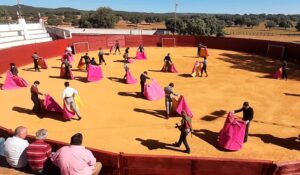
column 12, row 82
column 42, row 63
column 232, row 135
column 278, row 74
column 68, row 113
column 204, row 52
column 81, row 65
column 129, row 78
column 94, row 73
column 196, row 69
column 63, row 73
column 183, row 106
column 69, row 56
column 130, row 60
column 51, row 105
column 140, row 56
column 172, row 69
column 153, row 91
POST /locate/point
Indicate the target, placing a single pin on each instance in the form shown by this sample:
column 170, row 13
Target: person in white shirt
column 68, row 97
column 69, row 49
column 14, row 148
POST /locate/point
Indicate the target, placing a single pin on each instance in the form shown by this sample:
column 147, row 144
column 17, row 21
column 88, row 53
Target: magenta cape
column 69, row 56
column 68, row 113
column 63, row 73
column 172, row 69
column 183, row 106
column 51, row 105
column 153, row 91
column 129, row 78
column 140, row 56
column 232, row 135
column 204, row 52
column 130, row 60
column 42, row 63
column 94, row 73
column 196, row 69
column 12, row 82
column 278, row 74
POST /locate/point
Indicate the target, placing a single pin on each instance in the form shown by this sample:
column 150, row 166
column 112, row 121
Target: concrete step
column 41, row 35
column 11, row 39
column 9, row 34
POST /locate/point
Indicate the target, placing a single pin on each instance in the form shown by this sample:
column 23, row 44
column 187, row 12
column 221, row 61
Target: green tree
column 298, row 26
column 3, row 15
column 285, row 24
column 102, row 18
column 196, row 26
column 270, row 24
column 135, row 19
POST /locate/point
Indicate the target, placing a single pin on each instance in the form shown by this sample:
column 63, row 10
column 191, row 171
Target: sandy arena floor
column 116, row 119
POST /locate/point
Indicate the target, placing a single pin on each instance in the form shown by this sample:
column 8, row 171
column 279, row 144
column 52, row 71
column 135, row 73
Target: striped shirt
column 37, row 154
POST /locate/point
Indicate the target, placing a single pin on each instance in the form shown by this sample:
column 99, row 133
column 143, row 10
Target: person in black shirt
column 248, row 114
column 168, row 62
column 37, row 109
column 284, row 66
column 143, row 79
column 13, row 69
column 35, row 58
column 87, row 60
column 117, row 46
column 141, row 48
column 93, row 62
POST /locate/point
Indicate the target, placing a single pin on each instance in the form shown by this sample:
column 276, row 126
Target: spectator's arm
column 91, row 159
column 48, row 151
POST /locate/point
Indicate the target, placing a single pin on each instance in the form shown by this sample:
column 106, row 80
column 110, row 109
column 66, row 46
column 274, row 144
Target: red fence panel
column 111, row 40
column 155, row 165
column 133, row 40
column 151, row 40
column 203, row 166
column 288, row 168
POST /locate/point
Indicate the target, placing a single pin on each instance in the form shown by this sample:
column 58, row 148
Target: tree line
column 187, row 23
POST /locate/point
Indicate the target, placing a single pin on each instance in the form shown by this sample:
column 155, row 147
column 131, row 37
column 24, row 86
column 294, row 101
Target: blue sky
column 197, row 6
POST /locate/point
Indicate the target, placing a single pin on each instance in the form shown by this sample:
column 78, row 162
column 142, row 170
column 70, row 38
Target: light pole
column 175, row 16
column 19, row 9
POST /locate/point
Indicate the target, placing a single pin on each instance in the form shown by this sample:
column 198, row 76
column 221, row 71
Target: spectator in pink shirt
column 75, row 159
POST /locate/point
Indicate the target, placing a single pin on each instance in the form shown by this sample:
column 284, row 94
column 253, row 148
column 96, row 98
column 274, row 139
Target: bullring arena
column 116, row 119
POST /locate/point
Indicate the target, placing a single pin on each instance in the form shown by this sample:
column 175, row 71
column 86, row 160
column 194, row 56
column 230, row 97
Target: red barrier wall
column 21, row 55
column 142, row 164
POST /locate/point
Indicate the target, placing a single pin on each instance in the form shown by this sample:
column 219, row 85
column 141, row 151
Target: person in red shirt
column 38, row 152
column 37, row 109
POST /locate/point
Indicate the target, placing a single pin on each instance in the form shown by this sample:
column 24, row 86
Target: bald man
column 14, row 148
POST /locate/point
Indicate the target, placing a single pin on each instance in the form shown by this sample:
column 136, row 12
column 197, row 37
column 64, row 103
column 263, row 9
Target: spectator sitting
column 2, row 140
column 38, row 152
column 14, row 148
column 75, row 159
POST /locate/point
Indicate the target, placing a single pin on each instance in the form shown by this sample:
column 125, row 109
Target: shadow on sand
column 50, row 115
column 156, row 113
column 292, row 143
column 156, row 144
column 259, row 64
